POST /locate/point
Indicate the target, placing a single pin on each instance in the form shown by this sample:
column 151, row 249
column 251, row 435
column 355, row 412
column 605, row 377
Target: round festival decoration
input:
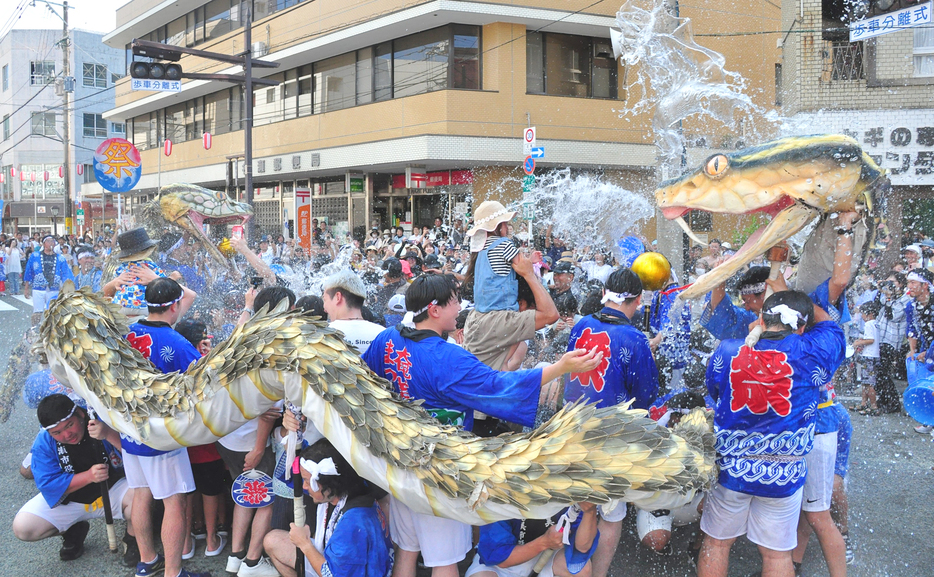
column 117, row 165
column 653, row 269
column 252, row 489
column 629, row 247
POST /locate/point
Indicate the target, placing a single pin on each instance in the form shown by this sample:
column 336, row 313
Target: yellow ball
column 653, row 269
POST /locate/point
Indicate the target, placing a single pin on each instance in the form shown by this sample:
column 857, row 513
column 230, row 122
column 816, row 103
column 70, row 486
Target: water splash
column 586, row 210
column 683, row 78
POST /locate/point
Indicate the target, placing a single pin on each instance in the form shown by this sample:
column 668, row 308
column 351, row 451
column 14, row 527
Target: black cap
column 134, row 242
column 393, row 267
column 563, row 267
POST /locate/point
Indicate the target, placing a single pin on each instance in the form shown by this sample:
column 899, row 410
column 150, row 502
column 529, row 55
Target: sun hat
column 489, row 215
column 134, row 242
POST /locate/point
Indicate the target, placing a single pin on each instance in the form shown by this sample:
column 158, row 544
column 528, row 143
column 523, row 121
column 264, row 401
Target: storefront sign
column 354, row 182
column 438, row 178
column 303, row 217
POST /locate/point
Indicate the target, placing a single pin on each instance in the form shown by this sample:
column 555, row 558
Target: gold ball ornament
column 226, row 249
column 653, row 269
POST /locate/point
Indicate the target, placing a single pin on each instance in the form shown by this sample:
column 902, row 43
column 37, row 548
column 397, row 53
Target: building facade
column 31, row 108
column 879, row 90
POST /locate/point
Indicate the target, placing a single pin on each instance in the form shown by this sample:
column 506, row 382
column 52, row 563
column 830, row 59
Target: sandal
column 859, row 408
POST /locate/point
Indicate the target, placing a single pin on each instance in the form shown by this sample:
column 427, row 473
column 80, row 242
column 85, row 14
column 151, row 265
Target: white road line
column 23, row 299
column 4, row 307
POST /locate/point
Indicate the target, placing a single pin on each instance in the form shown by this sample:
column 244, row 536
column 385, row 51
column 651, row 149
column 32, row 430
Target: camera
column 257, row 281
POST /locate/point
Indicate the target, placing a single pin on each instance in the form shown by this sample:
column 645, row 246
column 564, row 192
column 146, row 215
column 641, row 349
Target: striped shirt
column 501, row 256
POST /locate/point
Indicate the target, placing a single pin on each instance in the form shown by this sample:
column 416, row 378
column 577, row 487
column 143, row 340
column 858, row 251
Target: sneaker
column 223, row 530
column 262, row 569
column 130, row 551
column 73, row 541
column 200, row 533
column 924, row 429
column 233, row 564
column 850, row 552
column 149, row 569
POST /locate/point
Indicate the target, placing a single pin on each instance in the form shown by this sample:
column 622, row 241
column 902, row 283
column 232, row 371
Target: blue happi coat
column 33, row 273
column 452, row 381
column 53, row 473
column 359, row 546
column 627, row 371
column 766, row 410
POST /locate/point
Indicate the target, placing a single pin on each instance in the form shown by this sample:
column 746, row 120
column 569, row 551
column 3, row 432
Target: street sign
column 528, row 210
column 529, row 165
column 538, row 152
column 157, row 85
column 80, row 220
column 528, row 140
column 79, row 213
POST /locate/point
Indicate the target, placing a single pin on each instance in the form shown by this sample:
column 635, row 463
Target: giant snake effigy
column 581, row 454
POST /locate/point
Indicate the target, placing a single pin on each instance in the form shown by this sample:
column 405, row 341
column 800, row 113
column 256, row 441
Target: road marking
column 5, row 307
column 23, row 299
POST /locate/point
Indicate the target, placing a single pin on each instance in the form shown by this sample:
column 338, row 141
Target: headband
column 917, row 278
column 168, row 304
column 789, row 315
column 752, row 289
column 617, row 298
column 68, row 416
column 325, row 467
column 424, row 308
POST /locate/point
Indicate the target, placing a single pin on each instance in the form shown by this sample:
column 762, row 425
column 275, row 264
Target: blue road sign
column 538, row 152
column 529, row 165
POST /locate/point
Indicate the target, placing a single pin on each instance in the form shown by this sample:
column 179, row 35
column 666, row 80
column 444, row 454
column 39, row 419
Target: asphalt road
column 890, row 511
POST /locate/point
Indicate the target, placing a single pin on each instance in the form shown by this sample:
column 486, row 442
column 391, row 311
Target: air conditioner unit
column 259, row 49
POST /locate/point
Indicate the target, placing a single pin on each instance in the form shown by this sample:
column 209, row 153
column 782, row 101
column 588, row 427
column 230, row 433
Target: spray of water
column 586, row 210
column 684, row 78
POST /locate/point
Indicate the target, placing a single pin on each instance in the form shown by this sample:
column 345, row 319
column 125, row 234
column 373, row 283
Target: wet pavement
column 889, row 495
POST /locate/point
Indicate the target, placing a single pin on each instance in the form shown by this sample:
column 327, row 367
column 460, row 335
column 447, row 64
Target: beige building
column 393, row 113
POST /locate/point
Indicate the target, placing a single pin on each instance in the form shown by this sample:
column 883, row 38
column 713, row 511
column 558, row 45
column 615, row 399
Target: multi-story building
column 31, row 108
column 879, row 90
column 387, row 112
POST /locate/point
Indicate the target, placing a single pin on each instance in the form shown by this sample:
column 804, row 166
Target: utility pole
column 66, row 116
column 248, row 121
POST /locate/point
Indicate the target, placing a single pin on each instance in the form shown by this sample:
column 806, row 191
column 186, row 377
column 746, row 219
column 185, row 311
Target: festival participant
column 207, row 467
column 868, row 358
column 14, row 265
column 626, row 372
column 89, row 274
column 766, row 399
column 43, row 277
column 349, row 537
column 893, row 328
column 725, row 320
column 513, row 548
column 714, row 253
column 343, row 296
column 672, row 342
column 155, row 474
column 68, row 468
column 453, row 383
column 135, row 271
column 248, row 448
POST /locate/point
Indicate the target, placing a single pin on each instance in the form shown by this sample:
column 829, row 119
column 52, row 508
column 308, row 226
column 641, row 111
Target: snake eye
column 717, row 165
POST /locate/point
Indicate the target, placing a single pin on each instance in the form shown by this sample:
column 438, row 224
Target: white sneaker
column 262, row 569
column 924, row 429
column 233, row 564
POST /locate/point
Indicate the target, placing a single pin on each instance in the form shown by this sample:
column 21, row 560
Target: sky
column 93, row 15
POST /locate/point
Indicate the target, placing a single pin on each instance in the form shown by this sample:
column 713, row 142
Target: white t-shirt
column 358, row 333
column 871, row 331
column 244, row 439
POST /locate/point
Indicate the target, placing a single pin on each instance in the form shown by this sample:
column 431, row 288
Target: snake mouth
column 197, row 222
column 676, row 213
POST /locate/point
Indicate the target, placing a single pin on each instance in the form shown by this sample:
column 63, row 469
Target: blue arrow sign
column 538, row 152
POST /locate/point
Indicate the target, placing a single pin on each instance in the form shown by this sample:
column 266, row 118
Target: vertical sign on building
column 303, row 217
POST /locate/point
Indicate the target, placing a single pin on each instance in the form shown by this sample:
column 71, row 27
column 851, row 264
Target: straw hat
column 489, row 215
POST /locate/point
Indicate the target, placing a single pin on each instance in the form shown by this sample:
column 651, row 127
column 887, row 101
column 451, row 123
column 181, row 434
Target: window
column 6, row 77
column 565, row 65
column 43, row 123
column 778, row 84
column 6, row 187
column 465, row 62
column 420, row 62
column 842, row 60
column 382, row 71
column 923, row 52
column 118, row 128
column 114, row 77
column 6, row 127
column 95, row 126
column 41, row 72
column 95, row 75
column 335, row 86
column 217, row 21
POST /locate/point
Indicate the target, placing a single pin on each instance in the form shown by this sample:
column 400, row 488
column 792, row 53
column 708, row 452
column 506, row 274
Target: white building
column 31, row 105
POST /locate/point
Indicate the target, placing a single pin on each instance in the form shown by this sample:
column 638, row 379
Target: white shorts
column 164, row 475
column 441, row 541
column 41, row 300
column 64, row 516
column 769, row 522
column 520, row 570
column 646, row 521
column 818, row 485
column 614, row 515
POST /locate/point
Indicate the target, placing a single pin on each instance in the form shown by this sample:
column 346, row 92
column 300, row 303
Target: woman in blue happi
column 513, row 548
column 350, row 538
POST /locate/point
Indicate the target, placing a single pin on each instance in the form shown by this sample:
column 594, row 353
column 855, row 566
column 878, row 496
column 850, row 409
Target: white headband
column 917, row 278
column 789, row 315
column 752, row 289
column 424, row 308
column 617, row 298
column 325, row 467
column 170, row 303
column 68, row 416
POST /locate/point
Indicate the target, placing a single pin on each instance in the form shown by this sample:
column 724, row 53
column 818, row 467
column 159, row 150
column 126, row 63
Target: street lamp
column 55, row 210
